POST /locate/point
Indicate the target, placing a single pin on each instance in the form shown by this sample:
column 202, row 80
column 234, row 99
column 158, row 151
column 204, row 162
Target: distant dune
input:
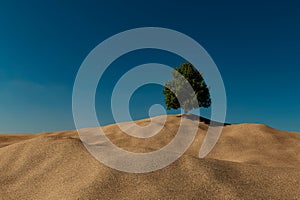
column 250, row 161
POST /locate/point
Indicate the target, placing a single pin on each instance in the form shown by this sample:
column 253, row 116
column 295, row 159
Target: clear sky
column 255, row 44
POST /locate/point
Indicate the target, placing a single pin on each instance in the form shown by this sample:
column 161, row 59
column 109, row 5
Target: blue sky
column 255, row 44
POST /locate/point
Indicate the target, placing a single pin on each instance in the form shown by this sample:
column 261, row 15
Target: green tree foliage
column 178, row 86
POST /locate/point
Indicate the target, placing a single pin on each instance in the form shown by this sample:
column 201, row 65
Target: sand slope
column 250, row 161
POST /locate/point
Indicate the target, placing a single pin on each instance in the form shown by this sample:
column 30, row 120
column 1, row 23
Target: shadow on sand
column 203, row 119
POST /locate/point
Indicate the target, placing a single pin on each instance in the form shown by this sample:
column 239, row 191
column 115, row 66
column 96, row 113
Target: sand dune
column 250, row 161
column 7, row 139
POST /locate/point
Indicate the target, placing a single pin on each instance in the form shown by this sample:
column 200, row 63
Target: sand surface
column 250, row 161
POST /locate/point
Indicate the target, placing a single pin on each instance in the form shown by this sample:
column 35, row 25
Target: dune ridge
column 250, row 161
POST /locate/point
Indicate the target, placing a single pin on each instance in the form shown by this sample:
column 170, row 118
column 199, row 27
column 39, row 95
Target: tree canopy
column 177, row 89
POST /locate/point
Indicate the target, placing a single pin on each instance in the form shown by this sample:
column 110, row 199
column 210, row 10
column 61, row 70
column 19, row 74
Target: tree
column 177, row 89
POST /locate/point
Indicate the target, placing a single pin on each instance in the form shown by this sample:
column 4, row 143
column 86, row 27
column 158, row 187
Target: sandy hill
column 250, row 161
